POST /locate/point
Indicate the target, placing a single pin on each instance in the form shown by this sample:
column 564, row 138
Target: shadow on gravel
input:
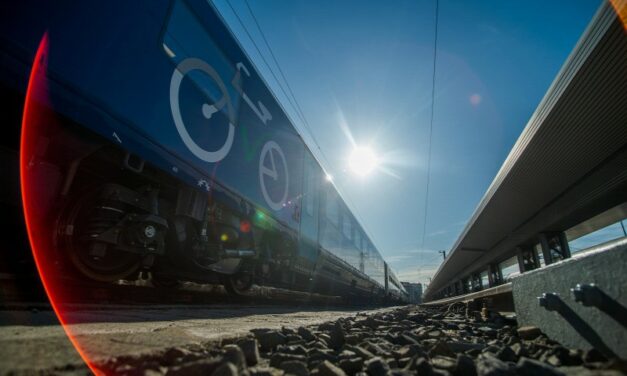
column 138, row 314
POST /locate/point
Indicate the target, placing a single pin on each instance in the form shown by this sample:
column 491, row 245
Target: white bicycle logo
column 269, row 150
column 208, row 110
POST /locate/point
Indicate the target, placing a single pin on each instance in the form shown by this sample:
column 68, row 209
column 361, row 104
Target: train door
column 309, row 221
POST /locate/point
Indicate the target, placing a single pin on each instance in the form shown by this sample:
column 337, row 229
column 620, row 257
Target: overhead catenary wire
column 430, row 136
column 276, row 62
column 294, row 104
column 241, row 22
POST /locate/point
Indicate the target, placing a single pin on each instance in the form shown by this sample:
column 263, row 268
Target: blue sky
column 366, row 66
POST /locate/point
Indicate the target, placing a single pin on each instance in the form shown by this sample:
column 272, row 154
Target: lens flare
column 36, row 116
column 620, row 7
column 363, row 161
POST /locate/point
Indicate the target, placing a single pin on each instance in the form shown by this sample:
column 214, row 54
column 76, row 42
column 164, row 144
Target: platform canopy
column 568, row 165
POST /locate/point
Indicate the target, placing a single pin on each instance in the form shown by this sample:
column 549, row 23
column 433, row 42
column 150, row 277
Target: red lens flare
column 35, row 179
column 620, row 6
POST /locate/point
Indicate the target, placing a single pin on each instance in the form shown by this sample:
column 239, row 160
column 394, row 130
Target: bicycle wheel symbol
column 208, row 109
column 268, row 153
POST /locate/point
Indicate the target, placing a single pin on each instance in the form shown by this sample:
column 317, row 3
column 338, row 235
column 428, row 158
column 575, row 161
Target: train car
column 163, row 152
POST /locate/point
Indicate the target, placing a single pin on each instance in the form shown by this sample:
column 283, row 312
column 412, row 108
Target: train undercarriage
column 112, row 216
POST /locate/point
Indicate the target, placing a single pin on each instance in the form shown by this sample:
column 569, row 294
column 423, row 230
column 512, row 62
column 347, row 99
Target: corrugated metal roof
column 579, row 126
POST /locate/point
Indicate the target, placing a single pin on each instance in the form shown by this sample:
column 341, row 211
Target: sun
column 363, row 160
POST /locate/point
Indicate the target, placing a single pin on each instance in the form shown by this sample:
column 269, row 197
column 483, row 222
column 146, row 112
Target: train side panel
column 170, row 76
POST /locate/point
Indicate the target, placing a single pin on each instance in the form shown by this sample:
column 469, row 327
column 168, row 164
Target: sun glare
column 363, row 161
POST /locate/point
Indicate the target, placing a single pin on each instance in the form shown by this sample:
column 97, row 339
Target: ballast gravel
column 404, row 341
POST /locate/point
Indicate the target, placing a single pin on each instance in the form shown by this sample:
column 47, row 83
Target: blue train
column 170, row 155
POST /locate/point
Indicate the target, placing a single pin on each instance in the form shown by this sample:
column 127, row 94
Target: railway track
column 25, row 292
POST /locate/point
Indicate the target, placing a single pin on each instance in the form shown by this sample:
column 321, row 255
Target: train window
column 186, row 37
column 309, row 188
column 332, row 208
column 347, row 225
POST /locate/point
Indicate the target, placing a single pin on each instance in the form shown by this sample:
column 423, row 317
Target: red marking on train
column 244, row 226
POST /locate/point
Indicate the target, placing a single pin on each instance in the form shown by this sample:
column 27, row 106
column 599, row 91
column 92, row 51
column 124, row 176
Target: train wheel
column 238, row 283
column 89, row 217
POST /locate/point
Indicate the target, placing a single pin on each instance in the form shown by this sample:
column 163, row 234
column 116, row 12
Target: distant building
column 414, row 290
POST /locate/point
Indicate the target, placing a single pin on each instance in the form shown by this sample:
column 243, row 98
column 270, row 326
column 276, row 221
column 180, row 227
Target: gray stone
column 441, row 348
column 198, row 367
column 327, row 368
column 489, row 365
column 278, row 358
column 408, row 339
column 352, row 365
column 377, row 367
column 250, row 348
column 352, row 339
column 400, row 372
column 487, row 331
column 318, row 344
column 363, row 353
column 306, row 334
column 444, row 362
column 421, row 366
column 336, row 336
column 593, row 356
column 295, row 367
column 293, row 338
column 234, row 355
column 409, row 351
column 265, row 371
column 491, row 349
column 292, row 349
column 374, row 348
column 530, row 367
column 435, row 334
column 519, row 349
column 457, row 346
column 511, row 340
column 403, row 362
column 175, row 355
column 529, row 332
column 325, row 338
column 268, row 340
column 583, row 371
column 506, row 354
column 465, row 366
column 347, row 354
column 392, row 363
column 226, row 369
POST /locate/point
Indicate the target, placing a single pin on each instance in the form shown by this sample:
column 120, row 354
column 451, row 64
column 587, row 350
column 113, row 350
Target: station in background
column 414, row 290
